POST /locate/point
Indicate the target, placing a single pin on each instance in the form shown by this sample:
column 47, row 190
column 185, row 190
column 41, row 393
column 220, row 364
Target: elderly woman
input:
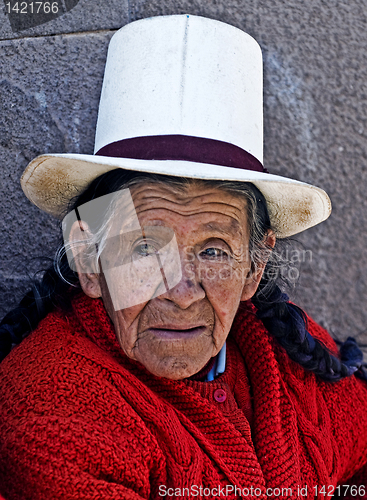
column 164, row 360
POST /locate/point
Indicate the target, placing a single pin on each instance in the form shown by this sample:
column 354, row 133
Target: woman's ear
column 257, row 269
column 84, row 259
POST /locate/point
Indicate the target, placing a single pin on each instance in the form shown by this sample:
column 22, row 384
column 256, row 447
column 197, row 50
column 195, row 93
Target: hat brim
column 51, row 181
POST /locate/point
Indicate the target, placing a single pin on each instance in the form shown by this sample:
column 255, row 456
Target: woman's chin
column 174, row 367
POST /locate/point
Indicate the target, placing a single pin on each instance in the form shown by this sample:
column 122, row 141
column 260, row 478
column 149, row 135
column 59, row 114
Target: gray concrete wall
column 315, row 62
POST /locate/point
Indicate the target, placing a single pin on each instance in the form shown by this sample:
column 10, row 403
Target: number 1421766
column 340, row 491
column 32, row 7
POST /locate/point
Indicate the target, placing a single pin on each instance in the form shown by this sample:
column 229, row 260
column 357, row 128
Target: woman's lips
column 175, row 333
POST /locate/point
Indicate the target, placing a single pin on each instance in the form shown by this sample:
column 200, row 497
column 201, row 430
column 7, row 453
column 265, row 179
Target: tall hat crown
column 183, row 75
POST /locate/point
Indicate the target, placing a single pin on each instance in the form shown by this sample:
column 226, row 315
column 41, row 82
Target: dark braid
column 288, row 324
column 44, row 296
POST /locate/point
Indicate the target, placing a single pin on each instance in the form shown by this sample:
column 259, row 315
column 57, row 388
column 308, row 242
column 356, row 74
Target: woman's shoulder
column 57, row 368
column 47, row 344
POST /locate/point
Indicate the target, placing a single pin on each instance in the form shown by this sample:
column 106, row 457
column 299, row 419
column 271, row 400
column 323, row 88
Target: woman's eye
column 213, row 253
column 145, row 249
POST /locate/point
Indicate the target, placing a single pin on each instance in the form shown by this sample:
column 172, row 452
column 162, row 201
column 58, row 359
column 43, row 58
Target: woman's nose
column 189, row 289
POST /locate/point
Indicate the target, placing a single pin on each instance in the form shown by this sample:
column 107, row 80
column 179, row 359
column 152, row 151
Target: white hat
column 181, row 96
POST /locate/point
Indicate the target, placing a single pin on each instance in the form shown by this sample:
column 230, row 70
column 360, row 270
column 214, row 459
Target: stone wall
column 315, row 63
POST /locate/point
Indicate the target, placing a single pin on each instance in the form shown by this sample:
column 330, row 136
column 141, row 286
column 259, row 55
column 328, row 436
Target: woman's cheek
column 125, row 324
column 223, row 286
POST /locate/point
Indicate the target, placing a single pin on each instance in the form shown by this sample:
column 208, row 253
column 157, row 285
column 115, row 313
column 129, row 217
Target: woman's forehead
column 192, row 198
column 210, row 207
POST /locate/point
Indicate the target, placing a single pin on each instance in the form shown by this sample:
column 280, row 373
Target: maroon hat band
column 183, row 147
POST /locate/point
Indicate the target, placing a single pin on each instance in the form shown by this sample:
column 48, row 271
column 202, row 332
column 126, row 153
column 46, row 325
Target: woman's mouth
column 177, row 333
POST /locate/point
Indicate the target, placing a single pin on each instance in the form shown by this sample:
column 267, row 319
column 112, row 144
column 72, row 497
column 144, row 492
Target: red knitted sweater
column 79, row 420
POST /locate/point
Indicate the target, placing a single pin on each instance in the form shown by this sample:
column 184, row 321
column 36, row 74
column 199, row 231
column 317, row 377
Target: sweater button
column 220, row 395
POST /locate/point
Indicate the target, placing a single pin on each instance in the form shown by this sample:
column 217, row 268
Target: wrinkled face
column 176, row 333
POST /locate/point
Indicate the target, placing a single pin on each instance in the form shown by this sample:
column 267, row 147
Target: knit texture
column 80, row 420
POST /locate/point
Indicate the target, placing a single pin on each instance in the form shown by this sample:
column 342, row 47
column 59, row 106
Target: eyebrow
column 227, row 229
column 230, row 229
